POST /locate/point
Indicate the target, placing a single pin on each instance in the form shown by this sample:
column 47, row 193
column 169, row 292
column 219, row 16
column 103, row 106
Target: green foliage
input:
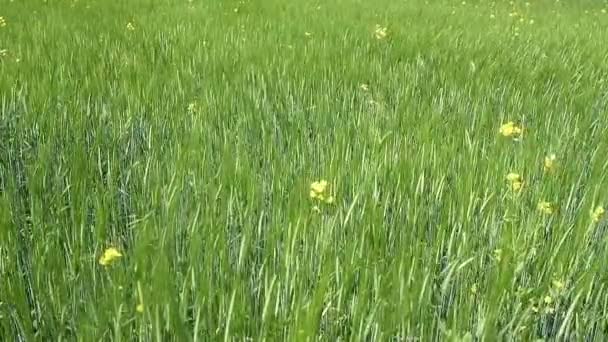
column 186, row 134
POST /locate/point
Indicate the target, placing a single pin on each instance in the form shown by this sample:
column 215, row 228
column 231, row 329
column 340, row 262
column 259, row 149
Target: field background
column 187, row 134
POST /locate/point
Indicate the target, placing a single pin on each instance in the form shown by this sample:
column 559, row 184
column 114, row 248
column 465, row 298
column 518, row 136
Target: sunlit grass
column 349, row 170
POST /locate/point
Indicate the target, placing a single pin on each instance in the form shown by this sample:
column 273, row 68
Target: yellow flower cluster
column 550, row 163
column 320, row 191
column 516, row 181
column 545, row 207
column 109, row 256
column 2, row 22
column 130, row 26
column 381, row 32
column 510, row 130
column 597, row 214
column 547, row 303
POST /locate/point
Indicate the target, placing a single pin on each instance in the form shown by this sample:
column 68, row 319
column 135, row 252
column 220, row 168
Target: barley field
column 267, row 170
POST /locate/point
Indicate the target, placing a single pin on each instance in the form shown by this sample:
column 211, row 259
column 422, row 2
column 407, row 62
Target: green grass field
column 191, row 138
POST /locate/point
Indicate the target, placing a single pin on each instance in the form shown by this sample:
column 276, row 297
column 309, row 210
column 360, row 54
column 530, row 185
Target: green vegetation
column 183, row 138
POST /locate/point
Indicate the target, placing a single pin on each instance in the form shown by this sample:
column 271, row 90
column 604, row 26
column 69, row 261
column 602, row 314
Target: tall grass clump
column 296, row 170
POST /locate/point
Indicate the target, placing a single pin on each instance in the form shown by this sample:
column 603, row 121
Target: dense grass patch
column 186, row 136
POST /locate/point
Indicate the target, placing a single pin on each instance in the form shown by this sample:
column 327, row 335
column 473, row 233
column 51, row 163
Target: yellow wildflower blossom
column 513, row 177
column 130, row 26
column 109, row 256
column 515, row 181
column 511, row 130
column 558, row 285
column 2, row 22
column 320, row 191
column 381, row 32
column 545, row 207
column 598, row 213
column 550, row 163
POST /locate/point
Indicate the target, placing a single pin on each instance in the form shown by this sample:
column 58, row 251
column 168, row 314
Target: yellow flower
column 550, row 163
column 109, row 256
column 514, row 177
column 2, row 22
column 364, row 86
column 517, row 186
column 318, row 187
column 548, row 300
column 510, row 129
column 598, row 213
column 558, row 285
column 140, row 307
column 381, row 32
column 130, row 26
column 545, row 207
column 320, row 191
column 516, row 181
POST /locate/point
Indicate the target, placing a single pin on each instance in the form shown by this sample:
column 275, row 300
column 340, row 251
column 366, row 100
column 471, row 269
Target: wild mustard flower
column 516, row 181
column 545, row 207
column 109, row 256
column 381, row 32
column 550, row 163
column 597, row 214
column 130, row 26
column 558, row 285
column 510, row 130
column 320, row 191
column 2, row 22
